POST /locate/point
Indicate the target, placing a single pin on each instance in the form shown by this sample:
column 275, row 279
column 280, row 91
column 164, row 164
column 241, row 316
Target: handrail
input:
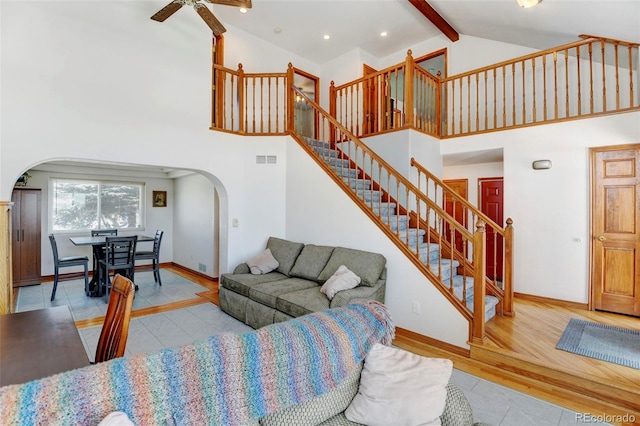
column 414, row 207
column 250, row 103
column 476, row 215
column 582, row 79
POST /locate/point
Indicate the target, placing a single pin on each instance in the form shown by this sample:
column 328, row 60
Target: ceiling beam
column 435, row 18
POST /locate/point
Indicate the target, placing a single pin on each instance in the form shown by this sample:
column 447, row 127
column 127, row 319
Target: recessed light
column 383, row 34
column 243, row 10
column 326, row 37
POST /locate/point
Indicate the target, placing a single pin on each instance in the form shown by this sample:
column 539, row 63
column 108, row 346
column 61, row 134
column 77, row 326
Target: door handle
column 602, row 238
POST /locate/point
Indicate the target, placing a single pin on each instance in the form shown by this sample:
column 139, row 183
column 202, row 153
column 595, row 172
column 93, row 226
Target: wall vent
column 266, row 159
column 202, row 267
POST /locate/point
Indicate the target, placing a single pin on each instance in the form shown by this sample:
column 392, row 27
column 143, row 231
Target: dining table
column 97, row 244
column 39, row 343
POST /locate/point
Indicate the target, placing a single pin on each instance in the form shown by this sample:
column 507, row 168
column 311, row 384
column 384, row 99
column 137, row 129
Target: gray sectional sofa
column 293, row 289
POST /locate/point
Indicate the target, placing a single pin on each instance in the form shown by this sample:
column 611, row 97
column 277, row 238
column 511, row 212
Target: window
column 78, row 205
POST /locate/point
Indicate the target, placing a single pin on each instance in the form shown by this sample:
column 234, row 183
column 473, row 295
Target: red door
column 491, row 204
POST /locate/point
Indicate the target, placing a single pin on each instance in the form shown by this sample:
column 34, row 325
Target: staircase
column 400, row 224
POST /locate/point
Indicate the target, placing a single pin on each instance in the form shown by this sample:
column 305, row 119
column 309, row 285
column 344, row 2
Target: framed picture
column 159, row 198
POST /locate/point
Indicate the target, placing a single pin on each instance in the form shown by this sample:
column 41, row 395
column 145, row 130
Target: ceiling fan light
column 528, row 3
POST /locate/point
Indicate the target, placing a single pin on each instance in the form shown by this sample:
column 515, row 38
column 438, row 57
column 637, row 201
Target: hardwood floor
column 520, row 353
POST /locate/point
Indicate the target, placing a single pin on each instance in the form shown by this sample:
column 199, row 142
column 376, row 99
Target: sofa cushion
column 285, row 252
column 342, row 279
column 262, row 263
column 400, row 387
column 302, row 302
column 311, row 261
column 267, row 293
column 318, row 409
column 368, row 266
column 241, row 283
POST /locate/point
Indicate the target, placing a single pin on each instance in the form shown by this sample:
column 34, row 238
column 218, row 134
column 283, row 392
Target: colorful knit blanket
column 226, row 379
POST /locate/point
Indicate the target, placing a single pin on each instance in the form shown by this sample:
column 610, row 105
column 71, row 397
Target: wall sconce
column 541, row 164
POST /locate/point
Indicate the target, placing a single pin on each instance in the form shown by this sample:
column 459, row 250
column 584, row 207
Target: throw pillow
column 311, row 262
column 342, row 279
column 116, row 418
column 400, row 388
column 262, row 263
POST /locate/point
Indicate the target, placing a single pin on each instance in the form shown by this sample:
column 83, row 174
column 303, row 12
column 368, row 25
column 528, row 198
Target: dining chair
column 119, row 258
column 64, row 262
column 153, row 255
column 115, row 329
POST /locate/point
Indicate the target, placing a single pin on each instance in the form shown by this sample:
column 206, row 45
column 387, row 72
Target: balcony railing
column 587, row 78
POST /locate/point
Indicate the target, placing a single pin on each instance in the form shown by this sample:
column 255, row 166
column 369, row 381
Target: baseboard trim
column 194, row 272
column 439, row 344
column 557, row 302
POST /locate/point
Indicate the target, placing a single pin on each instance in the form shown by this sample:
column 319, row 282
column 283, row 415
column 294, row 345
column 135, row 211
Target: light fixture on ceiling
column 326, row 36
column 528, row 3
column 277, row 30
column 243, row 10
column 383, row 34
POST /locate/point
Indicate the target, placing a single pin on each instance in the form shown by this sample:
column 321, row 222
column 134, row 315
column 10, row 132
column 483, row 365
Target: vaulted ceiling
column 358, row 23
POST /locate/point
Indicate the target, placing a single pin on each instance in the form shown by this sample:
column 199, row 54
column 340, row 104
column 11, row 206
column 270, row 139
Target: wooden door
column 491, row 204
column 26, row 236
column 615, row 238
column 370, row 101
column 456, row 209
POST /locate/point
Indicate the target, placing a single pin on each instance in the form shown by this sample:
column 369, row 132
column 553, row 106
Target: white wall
column 195, row 223
column 550, row 208
column 91, row 81
column 319, row 212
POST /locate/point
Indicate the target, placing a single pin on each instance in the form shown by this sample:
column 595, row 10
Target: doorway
column 370, row 100
column 491, row 202
column 307, row 122
column 615, row 238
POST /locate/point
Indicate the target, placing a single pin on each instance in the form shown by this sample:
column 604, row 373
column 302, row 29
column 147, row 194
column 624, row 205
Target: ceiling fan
column 208, row 17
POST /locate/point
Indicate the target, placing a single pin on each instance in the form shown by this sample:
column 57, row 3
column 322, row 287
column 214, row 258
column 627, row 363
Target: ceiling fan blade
column 208, row 17
column 167, row 11
column 238, row 3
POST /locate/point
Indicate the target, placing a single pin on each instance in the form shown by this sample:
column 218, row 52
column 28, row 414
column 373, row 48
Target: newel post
column 332, row 111
column 479, row 286
column 508, row 270
column 408, row 89
column 241, row 99
column 290, row 99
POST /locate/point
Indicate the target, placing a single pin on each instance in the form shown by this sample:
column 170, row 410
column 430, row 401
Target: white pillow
column 342, row 279
column 116, row 418
column 400, row 388
column 262, row 263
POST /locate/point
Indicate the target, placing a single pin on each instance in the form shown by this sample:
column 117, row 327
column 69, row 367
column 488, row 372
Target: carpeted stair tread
column 345, row 171
column 490, row 303
column 358, row 183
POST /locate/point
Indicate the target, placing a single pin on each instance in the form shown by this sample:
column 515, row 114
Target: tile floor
column 491, row 403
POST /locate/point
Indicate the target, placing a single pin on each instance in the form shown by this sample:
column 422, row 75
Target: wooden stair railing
column 399, row 209
column 587, row 78
column 436, row 189
column 255, row 104
column 583, row 79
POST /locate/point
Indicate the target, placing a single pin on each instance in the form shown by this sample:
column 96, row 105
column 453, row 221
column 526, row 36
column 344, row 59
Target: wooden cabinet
column 25, row 236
